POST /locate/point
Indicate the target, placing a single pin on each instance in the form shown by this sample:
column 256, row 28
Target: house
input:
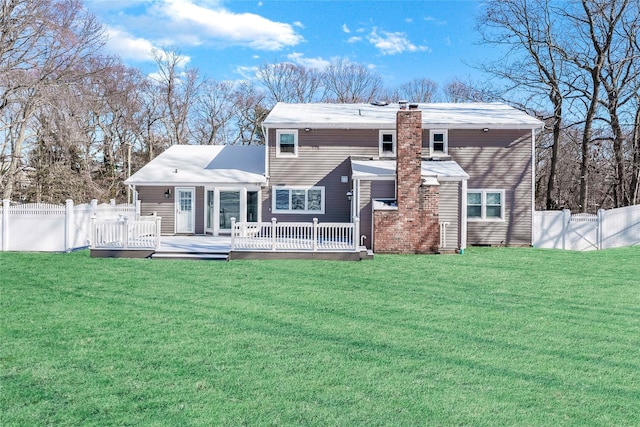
column 420, row 178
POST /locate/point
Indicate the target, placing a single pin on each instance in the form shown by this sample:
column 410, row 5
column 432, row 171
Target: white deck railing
column 294, row 236
column 122, row 233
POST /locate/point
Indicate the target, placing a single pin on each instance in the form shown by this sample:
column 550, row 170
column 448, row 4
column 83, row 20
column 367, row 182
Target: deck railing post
column 599, row 227
column 356, row 233
column 68, row 221
column 125, row 232
column 233, row 233
column 273, row 234
column 158, row 228
column 315, row 234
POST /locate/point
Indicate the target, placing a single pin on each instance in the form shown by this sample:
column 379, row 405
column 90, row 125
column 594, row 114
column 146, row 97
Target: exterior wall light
column 167, row 193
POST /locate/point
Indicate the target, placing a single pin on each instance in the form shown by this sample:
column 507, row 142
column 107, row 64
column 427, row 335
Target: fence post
column 5, row 225
column 68, row 222
column 233, row 232
column 599, row 230
column 94, row 232
column 137, row 205
column 273, row 234
column 94, row 207
column 315, row 234
column 566, row 219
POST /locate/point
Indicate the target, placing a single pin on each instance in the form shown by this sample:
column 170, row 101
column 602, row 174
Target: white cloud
column 127, row 46
column 315, row 63
column 354, row 39
column 298, row 24
column 244, row 29
column 345, row 29
column 392, row 43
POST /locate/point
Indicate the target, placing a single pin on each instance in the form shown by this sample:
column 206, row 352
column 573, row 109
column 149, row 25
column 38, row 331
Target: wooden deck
column 218, row 248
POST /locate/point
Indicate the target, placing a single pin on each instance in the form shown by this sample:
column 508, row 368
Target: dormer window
column 438, row 142
column 387, row 143
column 287, row 143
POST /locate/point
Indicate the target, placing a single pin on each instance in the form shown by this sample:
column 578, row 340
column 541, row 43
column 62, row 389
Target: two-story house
column 419, row 178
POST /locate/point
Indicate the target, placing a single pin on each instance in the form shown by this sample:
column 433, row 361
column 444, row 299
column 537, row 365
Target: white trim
column 393, row 152
column 293, row 132
column 445, row 142
column 289, row 188
column 483, row 205
column 533, row 181
column 215, row 219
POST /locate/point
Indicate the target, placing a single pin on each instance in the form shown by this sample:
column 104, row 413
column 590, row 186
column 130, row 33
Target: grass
column 492, row 337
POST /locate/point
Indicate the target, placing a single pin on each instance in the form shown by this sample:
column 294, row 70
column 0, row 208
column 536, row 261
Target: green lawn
column 495, row 337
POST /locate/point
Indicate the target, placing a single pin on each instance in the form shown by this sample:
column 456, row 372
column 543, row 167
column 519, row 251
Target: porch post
column 463, row 217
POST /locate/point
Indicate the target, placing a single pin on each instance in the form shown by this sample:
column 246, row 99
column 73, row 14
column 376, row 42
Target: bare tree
column 213, row 112
column 43, row 44
column 250, row 111
column 180, row 90
column 287, row 82
column 348, row 82
column 531, row 60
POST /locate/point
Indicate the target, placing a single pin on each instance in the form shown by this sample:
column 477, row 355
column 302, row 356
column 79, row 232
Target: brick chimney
column 414, row 226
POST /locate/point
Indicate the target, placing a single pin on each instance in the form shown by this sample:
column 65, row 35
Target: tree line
column 76, row 122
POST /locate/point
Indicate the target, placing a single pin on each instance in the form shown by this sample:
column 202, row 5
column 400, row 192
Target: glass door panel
column 229, row 208
column 252, row 206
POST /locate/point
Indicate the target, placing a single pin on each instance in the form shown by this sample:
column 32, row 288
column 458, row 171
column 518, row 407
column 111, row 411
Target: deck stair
column 201, row 256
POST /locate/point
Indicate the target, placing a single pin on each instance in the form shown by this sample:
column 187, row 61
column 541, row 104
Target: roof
column 368, row 116
column 203, row 164
column 443, row 170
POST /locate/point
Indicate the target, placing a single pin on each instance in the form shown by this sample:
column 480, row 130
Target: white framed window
column 302, row 200
column 485, row 205
column 287, row 143
column 438, row 141
column 387, row 143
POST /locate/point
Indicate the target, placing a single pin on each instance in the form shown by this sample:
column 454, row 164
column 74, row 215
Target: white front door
column 185, row 214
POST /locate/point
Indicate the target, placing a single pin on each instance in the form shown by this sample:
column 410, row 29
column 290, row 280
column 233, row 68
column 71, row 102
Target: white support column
column 356, row 233
column 125, row 232
column 533, row 181
column 5, row 224
column 463, row 216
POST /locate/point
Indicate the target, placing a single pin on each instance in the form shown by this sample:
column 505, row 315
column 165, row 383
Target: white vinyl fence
column 41, row 227
column 582, row 232
column 294, row 236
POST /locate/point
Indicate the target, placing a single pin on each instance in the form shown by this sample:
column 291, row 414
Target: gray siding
column 152, row 200
column 450, row 212
column 323, row 157
column 498, row 159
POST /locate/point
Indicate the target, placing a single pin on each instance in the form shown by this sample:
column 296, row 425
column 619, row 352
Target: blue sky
column 228, row 40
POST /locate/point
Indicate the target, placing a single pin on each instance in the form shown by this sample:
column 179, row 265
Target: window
column 485, row 205
column 286, row 142
column 387, row 147
column 298, row 200
column 438, row 141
